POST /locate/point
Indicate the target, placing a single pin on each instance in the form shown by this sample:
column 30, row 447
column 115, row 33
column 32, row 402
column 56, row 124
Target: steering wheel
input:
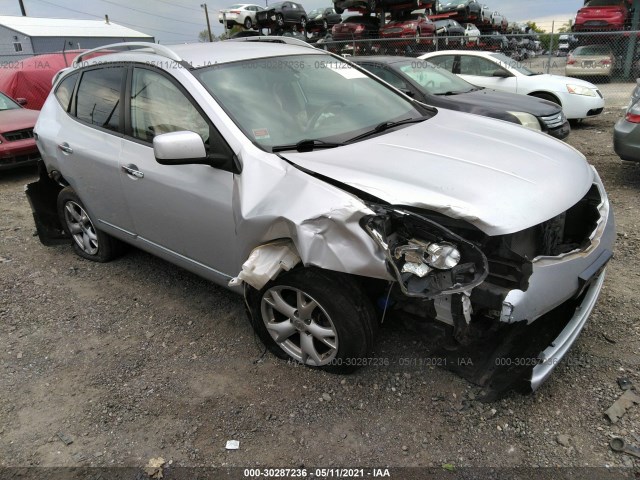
column 313, row 122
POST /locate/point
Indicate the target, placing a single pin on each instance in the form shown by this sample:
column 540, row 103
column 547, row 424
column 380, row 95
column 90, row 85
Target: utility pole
column 24, row 12
column 206, row 14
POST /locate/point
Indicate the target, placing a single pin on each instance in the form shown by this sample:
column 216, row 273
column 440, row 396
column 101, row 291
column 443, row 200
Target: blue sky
column 173, row 21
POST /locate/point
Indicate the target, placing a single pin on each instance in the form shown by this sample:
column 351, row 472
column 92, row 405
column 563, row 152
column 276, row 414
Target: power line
column 152, row 14
column 181, row 6
column 117, row 21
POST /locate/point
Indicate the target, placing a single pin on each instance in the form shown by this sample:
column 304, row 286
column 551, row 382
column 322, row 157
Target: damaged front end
column 427, row 259
column 507, row 307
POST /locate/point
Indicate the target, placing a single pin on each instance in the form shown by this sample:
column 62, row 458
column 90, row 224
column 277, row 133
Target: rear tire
column 88, row 242
column 316, row 317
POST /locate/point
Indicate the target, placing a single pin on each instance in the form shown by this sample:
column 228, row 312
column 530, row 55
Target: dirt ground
column 138, row 359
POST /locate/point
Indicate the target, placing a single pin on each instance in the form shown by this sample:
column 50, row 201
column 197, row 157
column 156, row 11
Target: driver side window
column 158, row 106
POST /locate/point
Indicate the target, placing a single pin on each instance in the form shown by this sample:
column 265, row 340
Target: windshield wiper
column 306, row 146
column 386, row 126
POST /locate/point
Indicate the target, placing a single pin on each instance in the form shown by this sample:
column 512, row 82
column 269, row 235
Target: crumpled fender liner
column 43, row 197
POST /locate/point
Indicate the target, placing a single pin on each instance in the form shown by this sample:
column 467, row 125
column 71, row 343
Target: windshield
column 7, row 104
column 316, row 12
column 451, row 3
column 512, row 64
column 435, row 80
column 284, row 100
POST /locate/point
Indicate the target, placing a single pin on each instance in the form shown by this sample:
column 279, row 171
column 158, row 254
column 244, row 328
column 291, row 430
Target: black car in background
column 466, row 10
column 449, row 32
column 435, row 86
column 277, row 15
column 322, row 19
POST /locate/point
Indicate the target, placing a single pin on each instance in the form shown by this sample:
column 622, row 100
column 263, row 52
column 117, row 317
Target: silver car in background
column 626, row 132
column 329, row 200
column 591, row 61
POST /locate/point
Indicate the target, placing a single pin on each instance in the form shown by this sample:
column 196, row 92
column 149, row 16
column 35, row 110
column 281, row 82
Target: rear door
column 89, row 142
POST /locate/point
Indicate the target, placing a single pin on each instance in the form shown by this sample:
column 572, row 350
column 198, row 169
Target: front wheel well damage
column 43, row 197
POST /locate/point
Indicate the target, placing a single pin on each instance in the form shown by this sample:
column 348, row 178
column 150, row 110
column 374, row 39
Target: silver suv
column 330, row 200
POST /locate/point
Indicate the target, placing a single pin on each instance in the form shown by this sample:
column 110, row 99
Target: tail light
column 359, row 28
column 234, row 11
column 633, row 113
column 571, row 60
column 606, row 61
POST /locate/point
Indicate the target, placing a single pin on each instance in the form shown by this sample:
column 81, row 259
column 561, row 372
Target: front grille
column 393, row 30
column 595, row 111
column 572, row 229
column 18, row 135
column 553, row 121
column 19, row 159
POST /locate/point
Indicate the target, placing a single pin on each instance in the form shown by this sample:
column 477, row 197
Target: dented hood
column 500, row 177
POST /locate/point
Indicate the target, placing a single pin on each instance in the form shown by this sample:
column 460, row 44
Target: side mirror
column 184, row 148
column 21, row 101
column 501, row 74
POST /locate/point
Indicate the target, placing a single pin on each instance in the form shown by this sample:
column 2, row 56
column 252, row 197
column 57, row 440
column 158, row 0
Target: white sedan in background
column 578, row 98
column 241, row 14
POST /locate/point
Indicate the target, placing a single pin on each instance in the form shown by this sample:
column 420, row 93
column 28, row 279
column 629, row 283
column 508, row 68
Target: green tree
column 534, row 28
column 203, row 36
column 565, row 28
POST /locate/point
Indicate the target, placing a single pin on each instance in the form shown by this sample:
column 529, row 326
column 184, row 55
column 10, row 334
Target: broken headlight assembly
column 427, row 259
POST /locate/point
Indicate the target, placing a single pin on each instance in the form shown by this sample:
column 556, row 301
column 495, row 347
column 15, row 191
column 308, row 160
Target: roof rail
column 273, row 39
column 154, row 47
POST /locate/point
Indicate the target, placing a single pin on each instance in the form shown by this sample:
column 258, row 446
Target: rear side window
column 98, row 97
column 65, row 90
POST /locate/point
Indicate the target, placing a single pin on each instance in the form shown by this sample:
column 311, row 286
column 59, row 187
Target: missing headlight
column 427, row 259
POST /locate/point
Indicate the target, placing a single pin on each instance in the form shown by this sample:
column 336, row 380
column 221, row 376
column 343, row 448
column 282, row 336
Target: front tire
column 319, row 318
column 248, row 23
column 88, row 242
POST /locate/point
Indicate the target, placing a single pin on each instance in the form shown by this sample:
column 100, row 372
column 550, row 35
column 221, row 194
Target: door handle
column 65, row 147
column 133, row 170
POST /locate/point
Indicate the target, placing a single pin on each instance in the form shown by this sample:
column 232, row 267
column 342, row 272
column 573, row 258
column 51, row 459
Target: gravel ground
column 137, row 359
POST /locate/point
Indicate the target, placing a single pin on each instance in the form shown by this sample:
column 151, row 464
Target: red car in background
column 599, row 15
column 415, row 27
column 17, row 145
column 356, row 28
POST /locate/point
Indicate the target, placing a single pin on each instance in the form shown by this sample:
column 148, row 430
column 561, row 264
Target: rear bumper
column 626, row 140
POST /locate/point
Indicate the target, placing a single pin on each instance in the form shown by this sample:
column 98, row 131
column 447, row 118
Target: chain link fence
column 609, row 59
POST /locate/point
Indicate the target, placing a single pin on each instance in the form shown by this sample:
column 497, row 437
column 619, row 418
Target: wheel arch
column 546, row 96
